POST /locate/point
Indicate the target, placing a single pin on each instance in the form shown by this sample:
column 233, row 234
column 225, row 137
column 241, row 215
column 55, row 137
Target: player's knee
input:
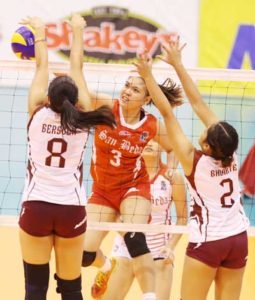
column 36, row 281
column 69, row 289
column 136, row 243
column 88, row 258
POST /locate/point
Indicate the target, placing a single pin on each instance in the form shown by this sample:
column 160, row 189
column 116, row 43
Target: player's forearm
column 172, row 161
column 76, row 54
column 157, row 95
column 176, row 237
column 199, row 106
column 189, row 85
column 41, row 50
column 174, row 241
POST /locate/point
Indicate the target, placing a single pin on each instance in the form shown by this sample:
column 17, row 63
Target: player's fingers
column 161, row 57
column 183, row 46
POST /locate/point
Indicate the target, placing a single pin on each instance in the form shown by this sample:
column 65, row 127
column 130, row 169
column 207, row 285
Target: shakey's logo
column 112, row 35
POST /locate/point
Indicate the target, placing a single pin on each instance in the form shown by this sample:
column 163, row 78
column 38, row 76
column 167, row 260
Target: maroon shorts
column 41, row 218
column 113, row 198
column 231, row 252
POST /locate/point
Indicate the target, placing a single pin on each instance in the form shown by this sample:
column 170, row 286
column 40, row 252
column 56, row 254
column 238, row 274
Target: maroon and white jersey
column 161, row 193
column 55, row 156
column 216, row 208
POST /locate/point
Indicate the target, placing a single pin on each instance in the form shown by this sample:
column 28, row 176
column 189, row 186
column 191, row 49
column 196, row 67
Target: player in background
column 53, row 210
column 164, row 193
column 120, row 180
column 217, row 249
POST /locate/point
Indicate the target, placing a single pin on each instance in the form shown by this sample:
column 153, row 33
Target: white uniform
column 217, row 211
column 55, row 157
column 161, row 193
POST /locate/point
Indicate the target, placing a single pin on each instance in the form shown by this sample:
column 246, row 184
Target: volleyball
column 23, row 42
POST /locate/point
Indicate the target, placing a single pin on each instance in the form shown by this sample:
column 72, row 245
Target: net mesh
column 229, row 92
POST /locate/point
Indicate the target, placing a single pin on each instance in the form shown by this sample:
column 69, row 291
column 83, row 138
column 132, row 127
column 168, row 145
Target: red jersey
column 116, row 159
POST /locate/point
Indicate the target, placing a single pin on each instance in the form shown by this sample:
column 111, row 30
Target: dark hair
column 223, row 140
column 172, row 91
column 63, row 95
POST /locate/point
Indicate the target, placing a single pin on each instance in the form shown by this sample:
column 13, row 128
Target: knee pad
column 36, row 281
column 88, row 258
column 136, row 243
column 69, row 289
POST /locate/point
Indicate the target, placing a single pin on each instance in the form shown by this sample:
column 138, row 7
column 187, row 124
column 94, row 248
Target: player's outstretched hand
column 171, row 52
column 76, row 21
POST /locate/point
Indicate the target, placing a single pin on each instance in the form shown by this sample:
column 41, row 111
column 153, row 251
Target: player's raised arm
column 172, row 55
column 88, row 100
column 181, row 145
column 38, row 88
column 77, row 24
column 180, row 202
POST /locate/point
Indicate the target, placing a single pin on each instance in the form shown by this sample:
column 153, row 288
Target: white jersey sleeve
column 55, row 156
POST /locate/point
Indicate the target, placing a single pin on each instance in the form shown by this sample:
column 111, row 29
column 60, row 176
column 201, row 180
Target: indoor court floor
column 11, row 274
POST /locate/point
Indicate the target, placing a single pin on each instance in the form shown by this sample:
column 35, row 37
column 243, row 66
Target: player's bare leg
column 228, row 283
column 92, row 255
column 197, row 278
column 164, row 277
column 136, row 209
column 121, row 277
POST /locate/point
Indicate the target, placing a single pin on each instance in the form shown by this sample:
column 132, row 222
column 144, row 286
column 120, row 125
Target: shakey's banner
column 227, row 34
column 116, row 30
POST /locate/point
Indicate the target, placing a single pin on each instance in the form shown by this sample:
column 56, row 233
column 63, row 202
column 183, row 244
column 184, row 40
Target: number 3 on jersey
column 116, row 158
column 56, row 147
column 115, row 161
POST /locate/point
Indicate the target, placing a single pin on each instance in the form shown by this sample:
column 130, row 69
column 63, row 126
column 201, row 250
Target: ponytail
column 73, row 119
column 63, row 95
column 226, row 161
column 172, row 91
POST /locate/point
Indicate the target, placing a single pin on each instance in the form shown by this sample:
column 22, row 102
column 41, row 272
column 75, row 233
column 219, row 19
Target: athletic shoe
column 101, row 280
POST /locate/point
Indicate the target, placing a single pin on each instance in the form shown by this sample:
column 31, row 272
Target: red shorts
column 231, row 252
column 39, row 218
column 113, row 198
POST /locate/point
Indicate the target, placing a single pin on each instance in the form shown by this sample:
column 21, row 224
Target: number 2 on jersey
column 225, row 200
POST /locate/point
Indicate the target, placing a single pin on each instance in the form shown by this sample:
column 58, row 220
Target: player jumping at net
column 161, row 245
column 120, row 180
column 53, row 213
column 217, row 249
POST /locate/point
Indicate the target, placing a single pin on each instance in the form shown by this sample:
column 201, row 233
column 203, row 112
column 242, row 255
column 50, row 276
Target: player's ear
column 148, row 100
column 206, row 148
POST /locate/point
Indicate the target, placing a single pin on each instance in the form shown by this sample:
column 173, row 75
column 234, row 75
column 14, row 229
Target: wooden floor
column 11, row 270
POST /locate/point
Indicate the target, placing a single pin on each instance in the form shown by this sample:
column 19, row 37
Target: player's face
column 152, row 149
column 134, row 93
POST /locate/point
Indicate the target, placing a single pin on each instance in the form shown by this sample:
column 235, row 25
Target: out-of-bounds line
column 12, row 221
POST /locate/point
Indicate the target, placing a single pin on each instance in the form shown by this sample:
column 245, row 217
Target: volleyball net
column 230, row 93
